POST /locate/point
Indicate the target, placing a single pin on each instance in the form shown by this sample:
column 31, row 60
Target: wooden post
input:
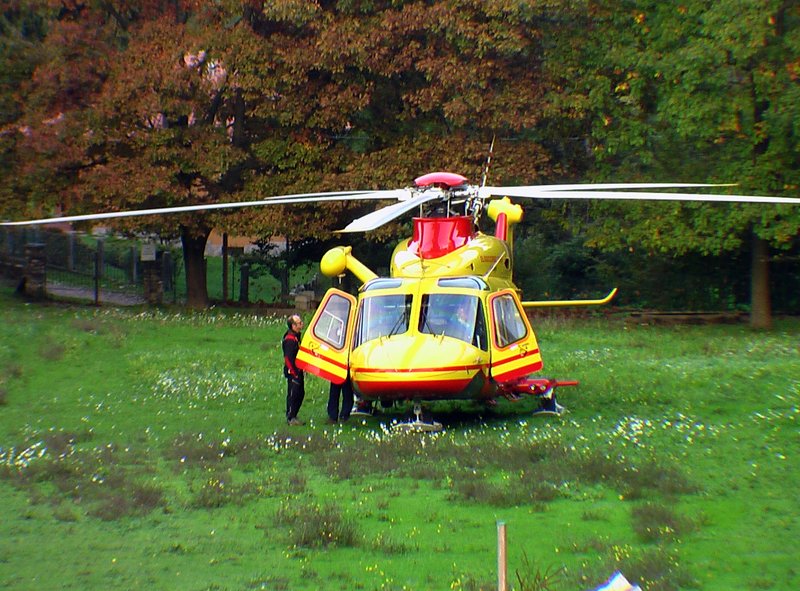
column 134, row 270
column 225, row 267
column 99, row 262
column 502, row 561
column 34, row 282
column 71, row 250
column 244, row 284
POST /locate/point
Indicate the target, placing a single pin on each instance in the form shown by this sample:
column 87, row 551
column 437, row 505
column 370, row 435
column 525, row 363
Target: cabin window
column 457, row 316
column 331, row 326
column 463, row 282
column 383, row 316
column 509, row 327
column 383, row 283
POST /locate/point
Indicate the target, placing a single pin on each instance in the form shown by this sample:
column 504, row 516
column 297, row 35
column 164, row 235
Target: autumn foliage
column 121, row 104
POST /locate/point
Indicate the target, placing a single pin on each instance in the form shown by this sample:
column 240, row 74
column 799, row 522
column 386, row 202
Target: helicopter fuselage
column 447, row 323
column 438, row 338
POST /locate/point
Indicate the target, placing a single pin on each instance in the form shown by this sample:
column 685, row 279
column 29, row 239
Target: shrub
column 532, row 578
column 653, row 523
column 471, row 583
column 668, row 480
column 189, row 449
column 90, row 325
column 269, row 582
column 112, row 507
column 388, row 545
column 218, row 490
column 60, row 442
column 51, row 350
column 146, row 496
column 593, row 515
column 313, row 526
column 656, row 570
column 13, row 371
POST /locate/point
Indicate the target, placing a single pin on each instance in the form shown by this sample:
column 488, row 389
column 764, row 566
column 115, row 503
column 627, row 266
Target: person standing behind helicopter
column 345, row 392
column 295, row 380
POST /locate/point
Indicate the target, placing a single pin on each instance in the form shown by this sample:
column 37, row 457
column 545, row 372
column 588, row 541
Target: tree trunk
column 194, row 246
column 760, row 308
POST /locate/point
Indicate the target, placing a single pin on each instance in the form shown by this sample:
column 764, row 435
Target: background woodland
column 117, row 104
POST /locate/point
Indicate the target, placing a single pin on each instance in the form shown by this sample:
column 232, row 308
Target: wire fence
column 82, row 266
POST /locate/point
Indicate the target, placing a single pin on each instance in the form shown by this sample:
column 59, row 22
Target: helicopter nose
column 418, row 366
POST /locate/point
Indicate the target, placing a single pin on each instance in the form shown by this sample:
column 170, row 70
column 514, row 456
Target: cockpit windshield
column 383, row 316
column 454, row 315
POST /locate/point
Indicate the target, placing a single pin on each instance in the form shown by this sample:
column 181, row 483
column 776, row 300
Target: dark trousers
column 295, row 392
column 344, row 390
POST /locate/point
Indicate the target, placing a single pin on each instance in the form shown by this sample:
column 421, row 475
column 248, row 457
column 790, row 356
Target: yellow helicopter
column 448, row 323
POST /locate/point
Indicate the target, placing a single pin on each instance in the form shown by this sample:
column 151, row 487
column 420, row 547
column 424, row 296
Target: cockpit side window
column 383, row 316
column 331, row 327
column 508, row 324
column 457, row 316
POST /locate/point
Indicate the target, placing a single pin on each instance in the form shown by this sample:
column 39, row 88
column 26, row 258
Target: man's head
column 295, row 323
column 463, row 311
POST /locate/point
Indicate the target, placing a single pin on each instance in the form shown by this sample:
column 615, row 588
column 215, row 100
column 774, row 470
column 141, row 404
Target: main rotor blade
column 378, row 218
column 536, row 190
column 278, row 200
column 340, row 196
column 539, row 193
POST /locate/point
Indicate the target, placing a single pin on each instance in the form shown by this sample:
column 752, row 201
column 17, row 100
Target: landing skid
column 544, row 389
column 418, row 423
column 362, row 411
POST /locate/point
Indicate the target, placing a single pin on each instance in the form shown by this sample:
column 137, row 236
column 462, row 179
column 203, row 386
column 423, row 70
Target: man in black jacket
column 295, row 385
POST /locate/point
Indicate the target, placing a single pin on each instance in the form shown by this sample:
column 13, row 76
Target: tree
column 702, row 91
column 164, row 136
column 22, row 31
column 151, row 104
column 128, row 111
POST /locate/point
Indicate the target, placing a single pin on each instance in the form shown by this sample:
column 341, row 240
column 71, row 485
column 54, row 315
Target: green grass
column 148, row 449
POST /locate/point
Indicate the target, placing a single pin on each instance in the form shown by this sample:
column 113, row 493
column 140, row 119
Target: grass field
column 148, row 449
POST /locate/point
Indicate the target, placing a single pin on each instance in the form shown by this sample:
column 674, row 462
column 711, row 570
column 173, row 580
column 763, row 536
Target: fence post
column 225, row 267
column 167, row 279
column 502, row 561
column 34, row 275
column 71, row 250
column 98, row 270
column 134, row 272
column 152, row 279
column 244, row 284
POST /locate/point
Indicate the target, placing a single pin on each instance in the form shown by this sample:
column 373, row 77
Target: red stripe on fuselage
column 515, row 358
column 401, row 389
column 325, row 375
column 420, row 369
column 324, row 358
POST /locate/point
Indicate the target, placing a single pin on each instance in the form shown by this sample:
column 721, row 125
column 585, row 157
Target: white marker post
column 502, row 562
